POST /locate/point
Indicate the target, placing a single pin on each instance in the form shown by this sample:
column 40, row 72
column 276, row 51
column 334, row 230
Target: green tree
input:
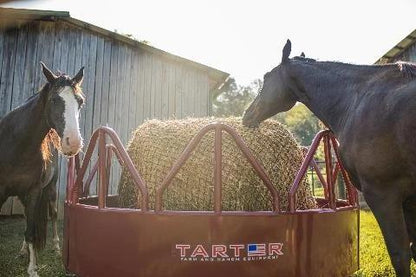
column 301, row 122
column 233, row 99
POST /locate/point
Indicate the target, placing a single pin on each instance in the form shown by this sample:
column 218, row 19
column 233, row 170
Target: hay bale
column 156, row 145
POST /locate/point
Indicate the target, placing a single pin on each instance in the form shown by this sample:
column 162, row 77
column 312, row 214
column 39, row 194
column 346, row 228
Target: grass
column 13, row 265
column 374, row 259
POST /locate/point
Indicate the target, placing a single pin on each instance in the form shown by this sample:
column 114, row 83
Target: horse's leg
column 409, row 208
column 23, row 250
column 53, row 213
column 32, row 198
column 388, row 210
column 33, row 267
column 52, row 194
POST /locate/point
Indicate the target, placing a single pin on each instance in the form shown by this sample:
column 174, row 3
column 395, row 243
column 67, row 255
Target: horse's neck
column 329, row 92
column 25, row 127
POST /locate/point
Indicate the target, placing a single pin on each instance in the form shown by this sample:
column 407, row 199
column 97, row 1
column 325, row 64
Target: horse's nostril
column 67, row 141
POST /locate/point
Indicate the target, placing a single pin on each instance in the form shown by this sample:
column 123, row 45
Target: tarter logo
column 230, row 252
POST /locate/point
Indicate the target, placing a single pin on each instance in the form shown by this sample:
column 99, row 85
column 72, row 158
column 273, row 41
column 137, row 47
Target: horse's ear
column 286, row 51
column 79, row 77
column 48, row 73
column 302, row 55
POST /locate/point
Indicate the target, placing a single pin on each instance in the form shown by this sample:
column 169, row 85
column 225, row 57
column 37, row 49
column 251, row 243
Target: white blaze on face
column 71, row 141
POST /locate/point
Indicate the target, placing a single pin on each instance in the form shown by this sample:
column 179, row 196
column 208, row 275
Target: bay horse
column 49, row 117
column 371, row 109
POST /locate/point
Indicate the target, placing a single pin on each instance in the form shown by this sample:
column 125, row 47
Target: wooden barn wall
column 408, row 55
column 123, row 85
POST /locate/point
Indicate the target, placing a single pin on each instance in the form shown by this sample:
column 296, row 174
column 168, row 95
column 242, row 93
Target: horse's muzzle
column 71, row 145
column 249, row 119
column 250, row 123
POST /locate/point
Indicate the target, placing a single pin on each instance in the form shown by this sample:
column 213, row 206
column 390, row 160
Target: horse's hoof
column 24, row 251
column 57, row 249
column 32, row 273
column 22, row 254
column 57, row 252
column 56, row 246
column 32, row 270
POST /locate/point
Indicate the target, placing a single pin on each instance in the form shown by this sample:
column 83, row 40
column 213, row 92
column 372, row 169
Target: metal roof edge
column 27, row 14
column 399, row 48
column 215, row 74
column 32, row 14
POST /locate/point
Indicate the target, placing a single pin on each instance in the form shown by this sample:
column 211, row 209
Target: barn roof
column 399, row 48
column 9, row 18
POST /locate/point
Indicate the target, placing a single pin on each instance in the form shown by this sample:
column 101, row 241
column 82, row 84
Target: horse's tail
column 41, row 219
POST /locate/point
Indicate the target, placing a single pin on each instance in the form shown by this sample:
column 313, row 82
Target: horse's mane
column 300, row 58
column 51, row 140
column 407, row 69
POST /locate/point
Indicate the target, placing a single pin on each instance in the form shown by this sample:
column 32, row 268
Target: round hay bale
column 156, row 145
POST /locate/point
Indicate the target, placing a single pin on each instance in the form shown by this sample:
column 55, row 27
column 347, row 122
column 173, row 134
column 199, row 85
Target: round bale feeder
column 102, row 239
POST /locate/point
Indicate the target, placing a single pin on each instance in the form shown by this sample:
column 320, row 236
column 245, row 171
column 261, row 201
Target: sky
column 245, row 38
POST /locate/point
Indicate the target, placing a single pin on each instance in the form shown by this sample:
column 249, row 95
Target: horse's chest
column 372, row 159
column 19, row 178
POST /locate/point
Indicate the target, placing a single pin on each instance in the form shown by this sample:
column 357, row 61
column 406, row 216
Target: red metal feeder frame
column 103, row 240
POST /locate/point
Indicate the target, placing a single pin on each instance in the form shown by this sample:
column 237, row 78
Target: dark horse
column 372, row 112
column 49, row 117
column 51, row 169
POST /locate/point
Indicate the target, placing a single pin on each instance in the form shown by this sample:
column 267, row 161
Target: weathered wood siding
column 124, row 85
column 408, row 55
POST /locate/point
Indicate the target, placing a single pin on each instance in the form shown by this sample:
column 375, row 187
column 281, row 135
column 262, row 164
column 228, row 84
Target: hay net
column 156, row 145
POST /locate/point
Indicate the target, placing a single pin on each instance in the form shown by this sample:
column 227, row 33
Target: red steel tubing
column 351, row 191
column 304, row 168
column 320, row 177
column 70, row 178
column 106, row 131
column 218, row 169
column 328, row 139
column 80, row 174
column 177, row 165
column 328, row 165
column 104, row 162
column 87, row 184
column 110, row 148
column 102, row 170
column 137, row 179
column 256, row 165
column 217, row 197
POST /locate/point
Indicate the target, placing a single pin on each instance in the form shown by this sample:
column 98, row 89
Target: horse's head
column 64, row 100
column 275, row 96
